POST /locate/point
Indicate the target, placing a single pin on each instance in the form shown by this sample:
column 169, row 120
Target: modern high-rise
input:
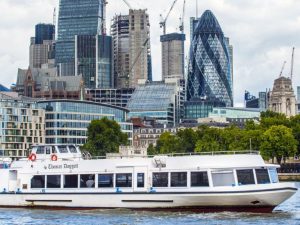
column 131, row 48
column 193, row 24
column 210, row 67
column 44, row 32
column 93, row 60
column 172, row 55
column 42, row 46
column 80, row 17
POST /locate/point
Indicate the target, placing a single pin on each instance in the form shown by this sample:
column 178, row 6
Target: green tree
column 151, row 150
column 187, row 139
column 279, row 142
column 168, row 143
column 269, row 118
column 104, row 136
column 208, row 139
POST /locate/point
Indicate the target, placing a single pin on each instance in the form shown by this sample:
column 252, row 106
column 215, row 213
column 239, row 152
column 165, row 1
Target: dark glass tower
column 44, row 32
column 210, row 71
column 80, row 17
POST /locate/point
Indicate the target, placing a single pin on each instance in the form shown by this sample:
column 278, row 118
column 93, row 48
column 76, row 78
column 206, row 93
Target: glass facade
column 94, row 60
column 197, row 109
column 44, row 32
column 84, row 17
column 210, row 71
column 67, row 120
column 160, row 100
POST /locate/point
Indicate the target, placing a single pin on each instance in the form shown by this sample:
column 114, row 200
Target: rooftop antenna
column 292, row 63
column 196, row 9
column 282, row 68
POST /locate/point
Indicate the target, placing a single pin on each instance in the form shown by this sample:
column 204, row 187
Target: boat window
column 223, row 178
column 38, row 181
column 53, row 181
column 262, row 176
column 160, row 179
column 87, row 180
column 54, row 149
column 140, row 180
column 179, row 179
column 72, row 149
column 245, row 177
column 105, row 180
column 273, row 175
column 48, row 150
column 40, row 150
column 124, row 180
column 199, row 179
column 63, row 149
column 70, row 181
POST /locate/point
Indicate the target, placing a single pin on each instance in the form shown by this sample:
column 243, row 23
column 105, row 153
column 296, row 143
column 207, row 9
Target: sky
column 262, row 33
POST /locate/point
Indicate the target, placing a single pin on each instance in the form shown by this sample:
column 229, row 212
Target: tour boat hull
column 263, row 201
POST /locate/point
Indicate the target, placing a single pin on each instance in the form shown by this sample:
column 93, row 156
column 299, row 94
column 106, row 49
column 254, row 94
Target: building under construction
column 131, row 48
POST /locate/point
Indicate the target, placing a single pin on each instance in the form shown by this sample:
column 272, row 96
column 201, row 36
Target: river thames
column 287, row 213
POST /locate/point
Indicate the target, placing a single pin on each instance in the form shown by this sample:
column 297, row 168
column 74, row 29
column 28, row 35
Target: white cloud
column 261, row 32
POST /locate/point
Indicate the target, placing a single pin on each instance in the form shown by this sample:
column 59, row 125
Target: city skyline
column 262, row 35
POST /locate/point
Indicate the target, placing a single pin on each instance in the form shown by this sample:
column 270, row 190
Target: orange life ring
column 54, row 157
column 32, row 157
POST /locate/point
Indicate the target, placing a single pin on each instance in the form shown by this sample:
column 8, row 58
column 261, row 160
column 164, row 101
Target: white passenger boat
column 60, row 176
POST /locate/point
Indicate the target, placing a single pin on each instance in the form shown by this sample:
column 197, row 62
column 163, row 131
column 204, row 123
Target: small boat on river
column 60, row 176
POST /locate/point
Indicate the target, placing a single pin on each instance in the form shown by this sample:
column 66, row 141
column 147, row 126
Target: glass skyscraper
column 80, row 17
column 210, row 66
column 44, row 32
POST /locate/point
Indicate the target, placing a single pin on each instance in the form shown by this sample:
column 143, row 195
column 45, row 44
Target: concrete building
column 22, row 125
column 131, row 47
column 172, row 55
column 40, row 54
column 115, row 97
column 282, row 98
column 67, row 120
column 162, row 100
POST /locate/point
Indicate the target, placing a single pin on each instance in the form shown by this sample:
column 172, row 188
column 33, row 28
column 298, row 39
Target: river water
column 287, row 213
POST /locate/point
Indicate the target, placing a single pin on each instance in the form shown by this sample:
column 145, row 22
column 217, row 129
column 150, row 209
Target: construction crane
column 127, row 76
column 282, row 68
column 164, row 20
column 127, row 3
column 292, row 63
column 181, row 27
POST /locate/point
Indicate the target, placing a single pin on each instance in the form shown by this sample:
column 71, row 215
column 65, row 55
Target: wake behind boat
column 60, row 176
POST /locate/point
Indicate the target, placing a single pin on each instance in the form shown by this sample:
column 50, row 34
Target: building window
column 199, row 179
column 70, row 181
column 124, row 180
column 87, row 181
column 40, row 150
column 140, row 180
column 179, row 179
column 105, row 180
column 38, row 181
column 53, row 181
column 262, row 176
column 160, row 179
column 245, row 177
column 63, row 149
column 223, row 178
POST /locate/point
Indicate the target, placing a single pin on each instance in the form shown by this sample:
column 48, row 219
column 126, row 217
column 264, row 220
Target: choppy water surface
column 287, row 213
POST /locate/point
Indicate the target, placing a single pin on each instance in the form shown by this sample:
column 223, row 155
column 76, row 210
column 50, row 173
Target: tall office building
column 93, row 60
column 131, row 47
column 42, row 46
column 210, row 66
column 193, row 24
column 80, row 17
column 172, row 55
column 44, row 32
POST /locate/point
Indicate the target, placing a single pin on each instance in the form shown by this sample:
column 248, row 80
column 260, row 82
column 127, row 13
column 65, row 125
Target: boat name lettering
column 64, row 166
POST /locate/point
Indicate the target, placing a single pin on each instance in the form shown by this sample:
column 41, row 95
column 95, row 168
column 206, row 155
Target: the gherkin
column 210, row 65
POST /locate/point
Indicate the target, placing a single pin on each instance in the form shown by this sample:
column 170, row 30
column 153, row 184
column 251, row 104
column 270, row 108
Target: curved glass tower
column 210, row 65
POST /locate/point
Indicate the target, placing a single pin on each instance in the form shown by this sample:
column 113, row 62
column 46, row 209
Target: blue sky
column 262, row 33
